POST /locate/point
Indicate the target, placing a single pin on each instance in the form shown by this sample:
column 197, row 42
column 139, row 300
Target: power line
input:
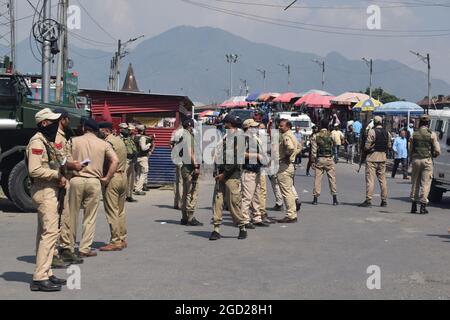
column 330, row 7
column 95, row 21
column 318, row 28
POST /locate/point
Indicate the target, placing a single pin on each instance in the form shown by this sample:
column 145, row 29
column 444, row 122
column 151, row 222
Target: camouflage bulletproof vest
column 422, row 144
column 130, row 145
column 324, row 144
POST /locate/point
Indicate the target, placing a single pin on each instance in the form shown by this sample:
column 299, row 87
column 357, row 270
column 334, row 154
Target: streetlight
column 427, row 60
column 231, row 58
column 322, row 65
column 288, row 69
column 369, row 64
column 263, row 73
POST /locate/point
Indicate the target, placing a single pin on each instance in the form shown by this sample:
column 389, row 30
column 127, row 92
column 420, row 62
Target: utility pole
column 118, row 56
column 12, row 19
column 288, row 69
column 263, row 73
column 231, row 59
column 62, row 57
column 244, row 87
column 46, row 57
column 322, row 66
column 427, row 60
column 369, row 63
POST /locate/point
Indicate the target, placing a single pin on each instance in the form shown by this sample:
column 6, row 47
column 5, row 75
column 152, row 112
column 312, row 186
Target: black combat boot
column 335, row 201
column 366, row 204
column 314, row 203
column 298, row 205
column 414, row 208
column 423, row 209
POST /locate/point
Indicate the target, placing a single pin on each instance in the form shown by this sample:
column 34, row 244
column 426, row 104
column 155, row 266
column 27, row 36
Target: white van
column 300, row 120
column 440, row 123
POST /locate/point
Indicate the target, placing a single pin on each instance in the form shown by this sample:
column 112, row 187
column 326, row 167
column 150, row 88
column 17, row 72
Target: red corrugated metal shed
column 132, row 102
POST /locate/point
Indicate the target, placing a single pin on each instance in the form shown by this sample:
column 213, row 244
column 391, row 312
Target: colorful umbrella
column 252, row 97
column 266, row 97
column 209, row 113
column 315, row 100
column 368, row 105
column 400, row 108
column 286, row 97
column 350, row 98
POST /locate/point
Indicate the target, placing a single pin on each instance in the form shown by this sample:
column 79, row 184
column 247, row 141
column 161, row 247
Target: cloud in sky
column 130, row 18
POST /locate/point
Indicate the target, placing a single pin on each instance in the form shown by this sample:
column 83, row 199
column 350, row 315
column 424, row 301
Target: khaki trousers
column 178, row 187
column 84, row 194
column 251, row 195
column 276, row 190
column 325, row 165
column 45, row 198
column 230, row 192
column 286, row 182
column 190, row 193
column 376, row 170
column 422, row 177
column 263, row 195
column 131, row 176
column 141, row 174
column 114, row 196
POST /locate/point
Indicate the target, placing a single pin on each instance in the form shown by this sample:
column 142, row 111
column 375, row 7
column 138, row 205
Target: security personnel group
column 72, row 175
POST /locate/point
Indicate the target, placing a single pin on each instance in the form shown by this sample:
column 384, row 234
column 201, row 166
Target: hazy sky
column 129, row 18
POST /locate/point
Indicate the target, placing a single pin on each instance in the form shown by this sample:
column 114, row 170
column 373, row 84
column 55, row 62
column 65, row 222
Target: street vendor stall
column 318, row 106
column 399, row 112
column 364, row 110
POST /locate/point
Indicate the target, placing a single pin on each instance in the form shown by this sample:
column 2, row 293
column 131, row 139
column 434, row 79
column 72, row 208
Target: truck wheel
column 19, row 188
column 4, row 183
column 436, row 194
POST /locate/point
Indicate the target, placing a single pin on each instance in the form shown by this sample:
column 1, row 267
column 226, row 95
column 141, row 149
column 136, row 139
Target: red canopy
column 286, row 97
column 315, row 100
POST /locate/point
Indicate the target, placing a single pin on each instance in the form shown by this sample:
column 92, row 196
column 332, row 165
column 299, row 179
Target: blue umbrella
column 252, row 97
column 399, row 108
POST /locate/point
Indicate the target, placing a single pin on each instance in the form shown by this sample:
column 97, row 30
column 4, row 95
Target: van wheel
column 436, row 194
column 19, row 188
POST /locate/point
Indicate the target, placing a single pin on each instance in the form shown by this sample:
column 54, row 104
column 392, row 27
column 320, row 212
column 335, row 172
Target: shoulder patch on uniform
column 58, row 146
column 37, row 152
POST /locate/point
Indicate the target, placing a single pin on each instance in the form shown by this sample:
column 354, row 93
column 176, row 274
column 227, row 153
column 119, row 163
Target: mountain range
column 191, row 61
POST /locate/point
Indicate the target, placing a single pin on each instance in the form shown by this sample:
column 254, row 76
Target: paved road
column 324, row 256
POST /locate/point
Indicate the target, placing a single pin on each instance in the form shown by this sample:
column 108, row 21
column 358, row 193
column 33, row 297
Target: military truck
column 17, row 126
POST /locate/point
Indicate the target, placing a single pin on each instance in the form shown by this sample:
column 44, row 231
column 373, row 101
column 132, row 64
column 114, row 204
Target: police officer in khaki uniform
column 190, row 171
column 46, row 180
column 126, row 135
column 61, row 146
column 86, row 186
column 378, row 143
column 228, row 180
column 289, row 148
column 424, row 146
column 178, row 187
column 146, row 147
column 322, row 152
column 251, row 175
column 115, row 192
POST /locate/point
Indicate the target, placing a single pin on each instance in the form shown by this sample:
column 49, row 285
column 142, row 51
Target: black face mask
column 125, row 133
column 49, row 131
